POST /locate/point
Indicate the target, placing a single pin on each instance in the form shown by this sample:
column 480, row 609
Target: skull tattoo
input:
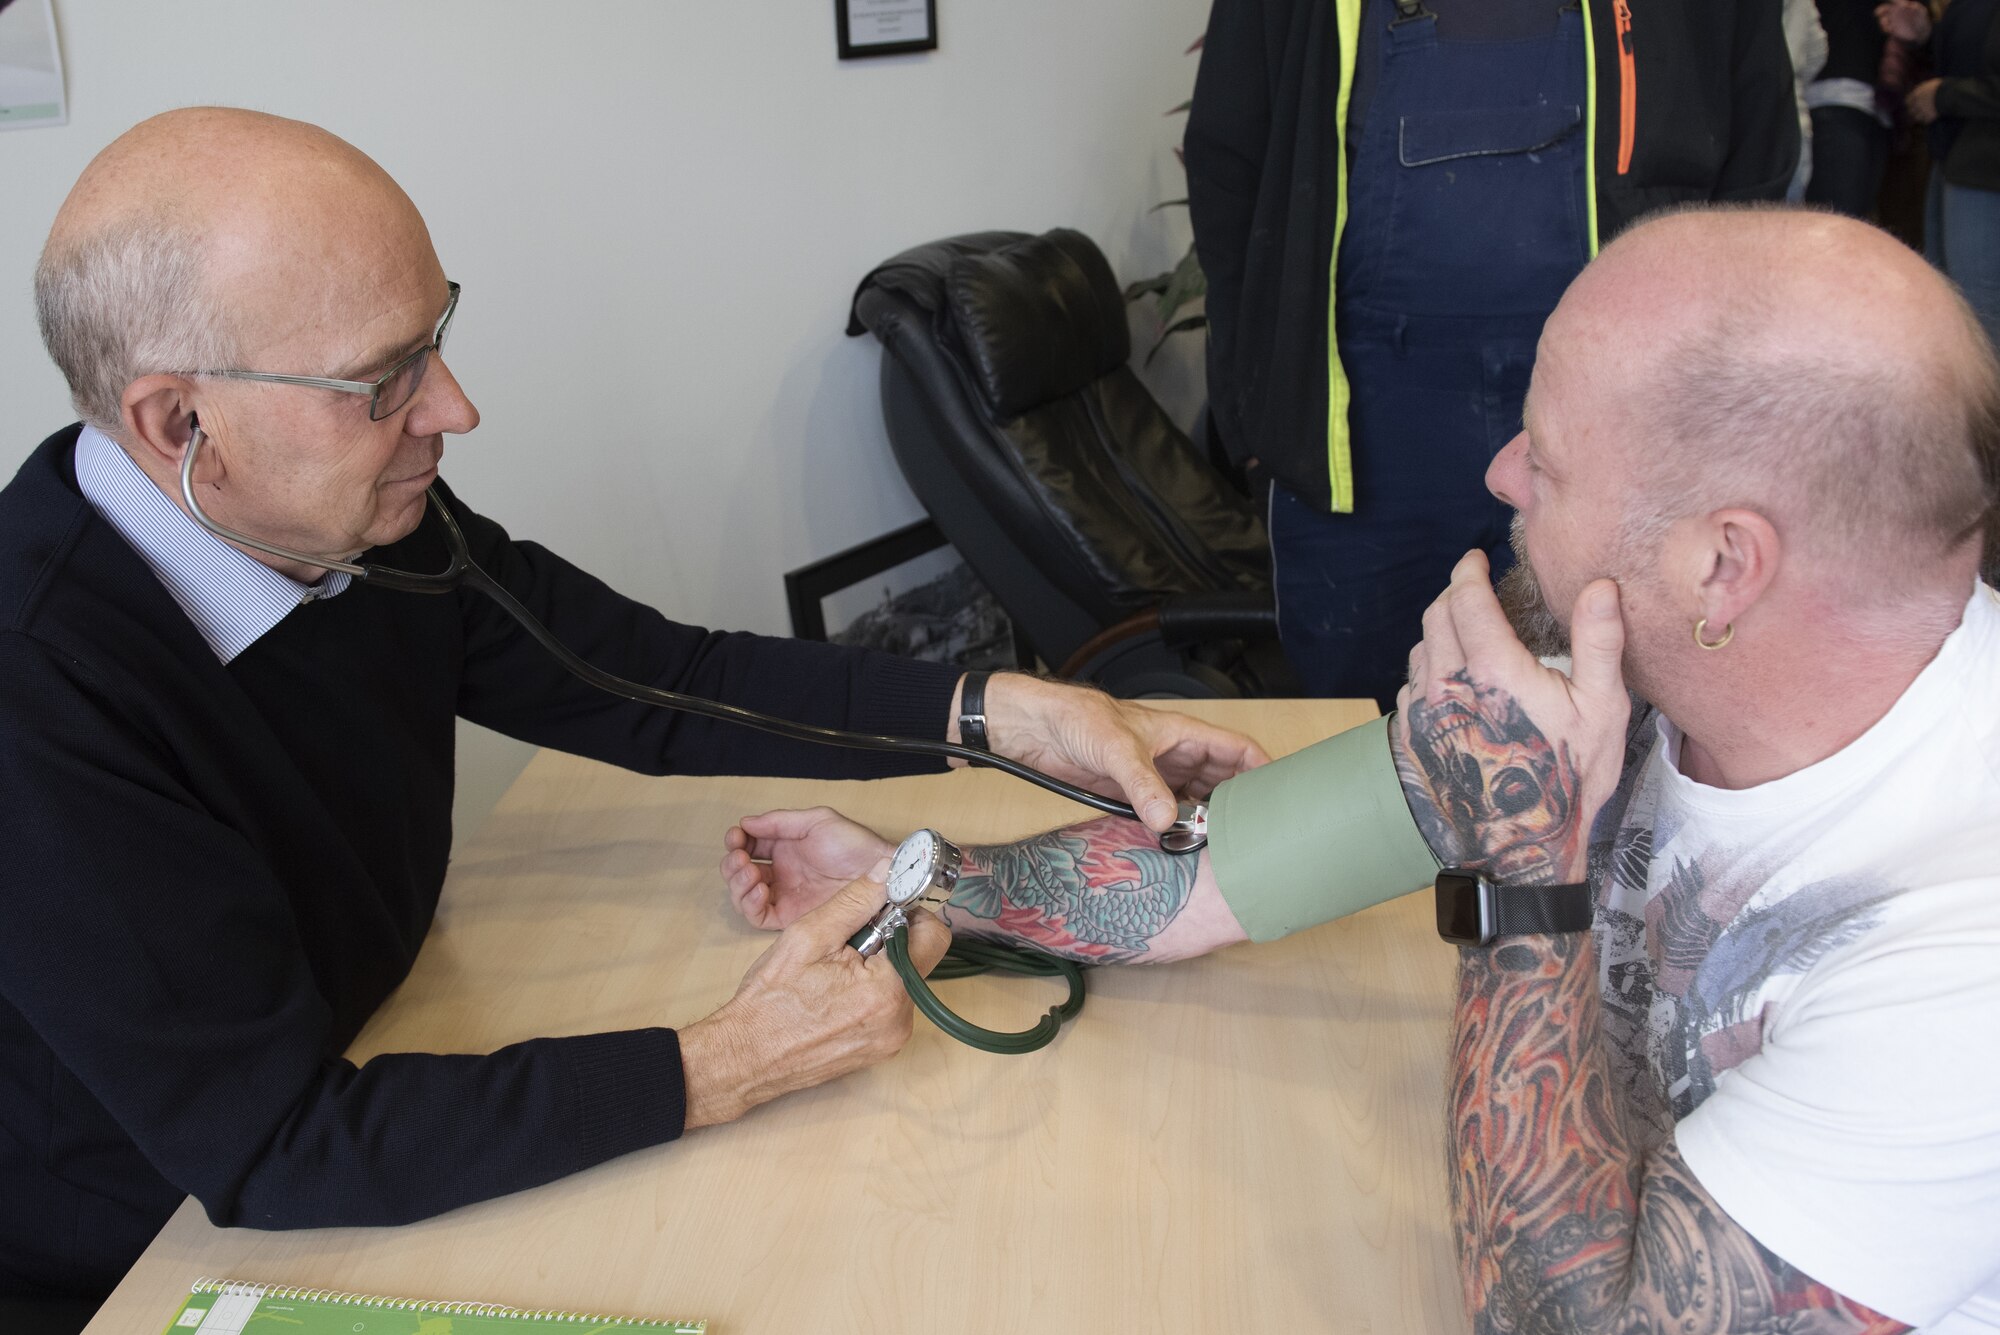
column 1505, row 799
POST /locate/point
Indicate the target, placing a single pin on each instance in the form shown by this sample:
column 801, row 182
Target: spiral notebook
column 232, row 1307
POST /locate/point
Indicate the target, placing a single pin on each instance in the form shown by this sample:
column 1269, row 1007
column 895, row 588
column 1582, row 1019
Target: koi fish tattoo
column 1097, row 893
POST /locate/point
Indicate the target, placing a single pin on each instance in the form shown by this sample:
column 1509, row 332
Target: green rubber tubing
column 966, row 958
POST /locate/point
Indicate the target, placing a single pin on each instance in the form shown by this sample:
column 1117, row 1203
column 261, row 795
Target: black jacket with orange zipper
column 1691, row 100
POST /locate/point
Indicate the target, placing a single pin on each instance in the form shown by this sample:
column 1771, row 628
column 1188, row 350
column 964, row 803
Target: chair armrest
column 1236, row 614
column 1186, row 619
column 1146, row 625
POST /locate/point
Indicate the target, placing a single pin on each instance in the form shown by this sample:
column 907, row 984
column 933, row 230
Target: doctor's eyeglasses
column 386, row 395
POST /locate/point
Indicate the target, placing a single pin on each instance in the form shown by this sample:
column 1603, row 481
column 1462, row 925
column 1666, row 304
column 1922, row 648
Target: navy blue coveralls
column 1466, row 220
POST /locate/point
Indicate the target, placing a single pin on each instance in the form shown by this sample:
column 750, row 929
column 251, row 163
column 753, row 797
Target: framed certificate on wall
column 885, row 27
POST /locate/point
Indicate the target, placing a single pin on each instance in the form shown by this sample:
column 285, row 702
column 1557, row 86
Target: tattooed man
column 1762, row 1092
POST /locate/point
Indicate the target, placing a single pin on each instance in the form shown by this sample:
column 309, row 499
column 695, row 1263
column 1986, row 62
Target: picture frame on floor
column 910, row 593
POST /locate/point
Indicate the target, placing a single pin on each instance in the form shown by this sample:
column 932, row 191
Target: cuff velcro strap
column 1315, row 836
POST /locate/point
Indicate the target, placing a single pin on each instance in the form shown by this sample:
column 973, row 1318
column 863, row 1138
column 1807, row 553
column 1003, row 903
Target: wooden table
column 1251, row 1141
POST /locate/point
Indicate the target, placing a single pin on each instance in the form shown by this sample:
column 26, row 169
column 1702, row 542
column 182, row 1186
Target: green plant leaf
column 1177, row 327
column 1177, row 110
column 1186, row 284
column 1147, row 287
column 1167, row 204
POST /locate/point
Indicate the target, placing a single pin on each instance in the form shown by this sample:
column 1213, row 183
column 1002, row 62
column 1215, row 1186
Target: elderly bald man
column 226, row 778
column 1759, row 1092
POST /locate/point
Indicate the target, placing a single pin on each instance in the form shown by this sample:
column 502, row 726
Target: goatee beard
column 1527, row 610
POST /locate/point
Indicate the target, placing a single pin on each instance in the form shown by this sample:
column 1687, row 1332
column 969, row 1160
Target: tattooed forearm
column 1542, row 1181
column 1099, row 892
column 1487, row 788
column 1565, row 1222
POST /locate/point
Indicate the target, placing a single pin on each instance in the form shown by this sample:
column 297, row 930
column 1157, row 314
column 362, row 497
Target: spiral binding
column 236, row 1288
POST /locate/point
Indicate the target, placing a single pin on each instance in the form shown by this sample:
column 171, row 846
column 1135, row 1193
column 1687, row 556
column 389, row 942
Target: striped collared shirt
column 231, row 598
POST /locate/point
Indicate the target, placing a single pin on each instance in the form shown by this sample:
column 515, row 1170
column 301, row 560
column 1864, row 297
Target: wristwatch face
column 914, row 867
column 1463, row 913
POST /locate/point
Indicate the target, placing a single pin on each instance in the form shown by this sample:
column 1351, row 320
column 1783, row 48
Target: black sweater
column 1966, row 135
column 214, row 875
column 1854, row 40
column 1713, row 119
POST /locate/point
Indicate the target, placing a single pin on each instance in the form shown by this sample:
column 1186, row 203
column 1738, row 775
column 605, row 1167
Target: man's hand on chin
column 1506, row 762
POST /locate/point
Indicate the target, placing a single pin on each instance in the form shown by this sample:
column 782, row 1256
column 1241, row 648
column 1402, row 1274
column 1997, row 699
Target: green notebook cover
column 231, row 1307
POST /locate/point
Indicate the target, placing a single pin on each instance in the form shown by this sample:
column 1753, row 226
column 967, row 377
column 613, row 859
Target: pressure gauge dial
column 925, row 867
column 923, row 870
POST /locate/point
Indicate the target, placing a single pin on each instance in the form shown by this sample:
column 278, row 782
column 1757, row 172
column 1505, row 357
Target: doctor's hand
column 809, row 1010
column 781, row 865
column 1110, row 746
column 1506, row 762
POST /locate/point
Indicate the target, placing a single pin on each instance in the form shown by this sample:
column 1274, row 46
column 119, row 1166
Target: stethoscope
column 1188, row 834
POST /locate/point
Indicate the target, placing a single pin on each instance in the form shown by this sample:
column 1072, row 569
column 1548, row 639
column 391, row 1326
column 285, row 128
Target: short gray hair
column 127, row 301
column 1879, row 468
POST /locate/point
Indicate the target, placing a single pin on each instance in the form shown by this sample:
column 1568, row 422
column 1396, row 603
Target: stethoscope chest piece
column 1189, row 832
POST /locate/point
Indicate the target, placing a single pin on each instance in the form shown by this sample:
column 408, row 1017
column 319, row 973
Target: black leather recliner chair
column 1119, row 552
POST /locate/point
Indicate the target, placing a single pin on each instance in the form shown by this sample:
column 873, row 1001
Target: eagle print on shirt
column 1694, row 954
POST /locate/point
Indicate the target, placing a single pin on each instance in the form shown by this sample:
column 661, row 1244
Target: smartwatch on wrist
column 972, row 711
column 1473, row 911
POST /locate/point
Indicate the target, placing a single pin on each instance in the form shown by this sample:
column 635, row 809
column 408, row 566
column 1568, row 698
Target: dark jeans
column 1850, row 149
column 1962, row 237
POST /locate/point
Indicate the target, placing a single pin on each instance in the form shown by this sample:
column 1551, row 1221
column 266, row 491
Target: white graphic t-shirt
column 1802, row 985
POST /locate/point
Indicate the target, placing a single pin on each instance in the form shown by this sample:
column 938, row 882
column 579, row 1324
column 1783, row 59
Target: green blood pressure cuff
column 1320, row 834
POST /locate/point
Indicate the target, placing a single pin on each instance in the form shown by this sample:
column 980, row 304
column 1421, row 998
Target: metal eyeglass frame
column 372, row 388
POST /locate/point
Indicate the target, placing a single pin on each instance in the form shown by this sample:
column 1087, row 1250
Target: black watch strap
column 972, row 711
column 1541, row 910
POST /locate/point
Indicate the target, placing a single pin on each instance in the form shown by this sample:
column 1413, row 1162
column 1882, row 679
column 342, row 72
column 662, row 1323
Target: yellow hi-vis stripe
column 1339, row 435
column 1339, row 443
column 1589, row 128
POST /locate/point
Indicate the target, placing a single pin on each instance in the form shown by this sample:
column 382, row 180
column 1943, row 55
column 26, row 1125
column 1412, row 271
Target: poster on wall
column 885, row 27
column 31, row 81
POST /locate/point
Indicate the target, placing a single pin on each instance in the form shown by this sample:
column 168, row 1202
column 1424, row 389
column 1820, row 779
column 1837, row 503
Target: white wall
column 658, row 209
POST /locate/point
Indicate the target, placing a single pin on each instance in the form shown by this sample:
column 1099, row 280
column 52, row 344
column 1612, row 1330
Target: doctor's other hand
column 809, row 1010
column 781, row 865
column 1110, row 746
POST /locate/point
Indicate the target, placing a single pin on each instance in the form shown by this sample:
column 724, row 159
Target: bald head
column 209, row 235
column 1799, row 364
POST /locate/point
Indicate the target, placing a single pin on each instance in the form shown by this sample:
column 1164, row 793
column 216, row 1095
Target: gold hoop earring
column 1728, row 634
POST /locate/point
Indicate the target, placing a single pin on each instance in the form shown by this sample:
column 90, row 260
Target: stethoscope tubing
column 971, row 957
column 464, row 572
column 967, row 958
